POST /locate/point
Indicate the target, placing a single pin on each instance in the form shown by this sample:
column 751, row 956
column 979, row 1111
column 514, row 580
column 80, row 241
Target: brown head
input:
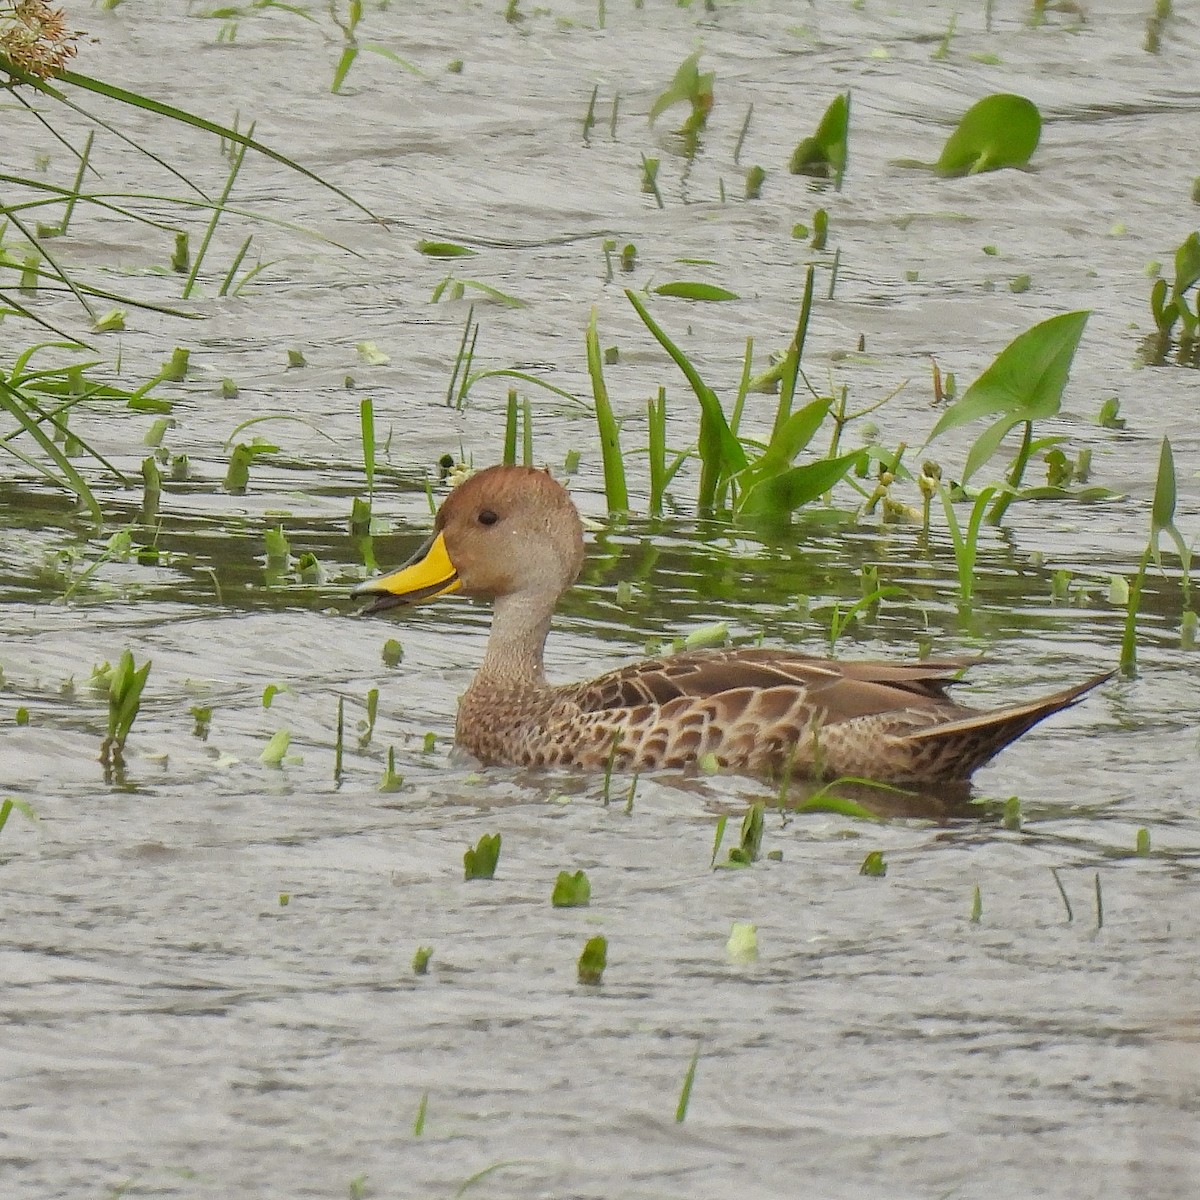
column 502, row 532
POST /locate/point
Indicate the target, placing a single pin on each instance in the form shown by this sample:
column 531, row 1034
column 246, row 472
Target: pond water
column 209, row 988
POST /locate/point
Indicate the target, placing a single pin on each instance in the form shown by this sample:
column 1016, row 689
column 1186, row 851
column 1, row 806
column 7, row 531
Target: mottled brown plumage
column 511, row 535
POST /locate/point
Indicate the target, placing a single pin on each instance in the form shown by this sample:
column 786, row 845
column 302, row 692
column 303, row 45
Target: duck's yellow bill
column 427, row 574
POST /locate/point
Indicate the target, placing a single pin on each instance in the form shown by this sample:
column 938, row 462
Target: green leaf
column 721, row 453
column 688, row 290
column 275, row 749
column 571, row 891
column 615, row 489
column 1025, row 382
column 1001, row 130
column 444, row 249
column 782, row 494
column 742, row 946
column 787, row 440
column 825, row 152
column 1162, row 512
column 873, row 864
column 1187, row 266
column 689, row 84
column 593, row 960
column 480, row 862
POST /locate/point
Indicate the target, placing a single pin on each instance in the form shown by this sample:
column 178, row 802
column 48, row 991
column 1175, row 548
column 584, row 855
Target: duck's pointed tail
column 957, row 748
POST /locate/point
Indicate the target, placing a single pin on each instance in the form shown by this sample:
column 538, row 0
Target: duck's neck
column 520, row 623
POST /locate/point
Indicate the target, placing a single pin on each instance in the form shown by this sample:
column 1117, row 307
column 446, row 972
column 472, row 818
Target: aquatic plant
column 1001, row 130
column 352, row 46
column 685, row 1092
column 479, row 861
column 689, row 86
column 742, row 946
column 8, row 804
column 571, row 891
column 749, row 847
column 1169, row 307
column 274, row 751
column 966, row 544
column 769, row 486
column 592, row 961
column 825, row 152
column 392, row 780
column 1162, row 520
column 874, row 864
column 125, row 684
column 1024, row 384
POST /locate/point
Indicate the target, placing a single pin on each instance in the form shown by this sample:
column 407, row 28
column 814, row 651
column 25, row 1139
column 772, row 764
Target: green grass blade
column 136, row 100
column 615, row 489
column 217, row 213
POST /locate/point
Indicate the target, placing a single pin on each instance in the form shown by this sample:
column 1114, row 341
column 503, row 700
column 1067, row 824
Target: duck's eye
column 488, row 517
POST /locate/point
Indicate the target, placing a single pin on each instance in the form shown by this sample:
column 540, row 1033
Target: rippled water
column 171, row 1027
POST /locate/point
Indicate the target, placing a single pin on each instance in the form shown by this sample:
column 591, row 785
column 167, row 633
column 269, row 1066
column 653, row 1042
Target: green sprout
column 125, row 685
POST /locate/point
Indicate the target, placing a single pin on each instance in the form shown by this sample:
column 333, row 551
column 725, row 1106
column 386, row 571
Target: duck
column 512, row 536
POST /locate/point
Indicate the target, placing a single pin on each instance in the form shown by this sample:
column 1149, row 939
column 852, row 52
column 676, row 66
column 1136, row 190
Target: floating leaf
column 1001, row 130
column 445, row 249
column 687, row 290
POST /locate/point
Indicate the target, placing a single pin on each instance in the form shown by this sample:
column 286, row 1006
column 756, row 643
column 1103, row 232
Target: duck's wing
column 842, row 691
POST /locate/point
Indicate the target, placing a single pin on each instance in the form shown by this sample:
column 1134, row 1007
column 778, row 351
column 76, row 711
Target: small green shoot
column 392, row 780
column 1062, row 891
column 124, row 700
column 685, row 1092
column 420, row 966
column 824, row 154
column 718, row 838
column 364, row 738
column 6, row 809
column 480, row 862
column 742, row 946
column 1173, row 308
column 1012, row 814
column 749, row 848
column 593, row 960
column 615, row 489
column 571, row 891
column 1142, row 843
column 1162, row 520
column 275, row 749
column 202, row 716
column 237, row 477
column 976, row 905
column 339, row 739
column 966, row 545
column 690, row 86
column 874, row 865
column 392, row 653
